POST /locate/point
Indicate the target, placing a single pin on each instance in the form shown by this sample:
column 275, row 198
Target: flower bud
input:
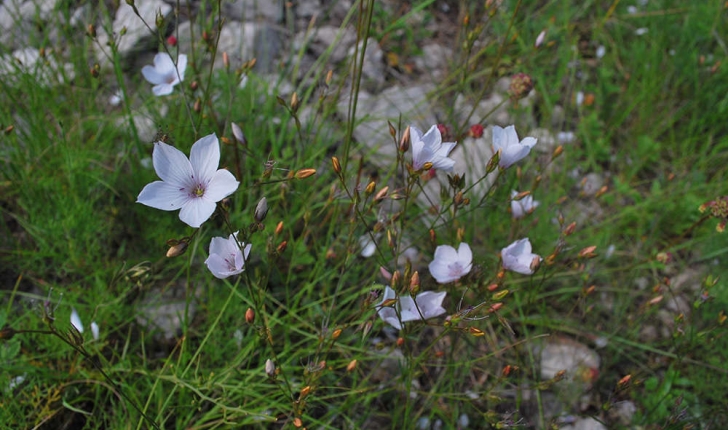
column 476, row 331
column 294, row 102
column 172, row 41
column 335, row 335
column 238, row 133
column 404, row 142
column 261, row 210
column 279, row 228
column 329, row 77
column 521, row 85
column 558, row 151
column 159, row 21
column 500, row 295
column 588, row 252
column 9, row 129
column 270, row 368
column 392, row 130
column 535, row 263
column 226, row 60
column 414, row 286
column 570, row 229
column 370, row 188
column 197, row 107
column 297, row 423
column 177, row 249
column 194, row 85
column 381, row 194
column 94, row 72
column 493, row 162
column 351, row 366
column 336, row 164
column 7, row 333
column 250, row 316
column 305, row 391
column 396, row 280
column 305, row 173
column 495, row 307
column 476, row 131
column 281, row 248
column 91, row 31
column 400, row 341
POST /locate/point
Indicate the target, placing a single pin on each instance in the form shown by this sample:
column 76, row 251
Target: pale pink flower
column 512, row 150
column 517, row 257
column 194, row 186
column 226, row 258
column 449, row 264
column 519, row 208
column 428, row 302
column 430, row 148
column 164, row 74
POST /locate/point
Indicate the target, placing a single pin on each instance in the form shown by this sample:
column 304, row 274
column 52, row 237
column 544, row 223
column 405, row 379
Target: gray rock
column 373, row 70
column 585, row 424
column 18, row 20
column 165, row 311
column 546, row 140
column 623, row 412
column 137, row 37
column 590, row 184
column 252, row 10
column 45, row 71
column 434, row 60
column 320, row 40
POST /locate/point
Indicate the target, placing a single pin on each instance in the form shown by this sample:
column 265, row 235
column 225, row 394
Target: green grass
column 71, row 168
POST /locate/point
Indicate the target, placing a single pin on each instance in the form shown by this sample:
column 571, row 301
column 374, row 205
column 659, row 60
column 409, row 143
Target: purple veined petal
column 433, row 138
column 172, row 166
column 408, row 309
column 163, row 196
column 221, row 185
column 389, row 316
column 220, row 246
column 152, row 76
column 163, row 89
column 181, row 66
column 218, row 266
column 197, row 211
column 205, row 157
column 163, row 63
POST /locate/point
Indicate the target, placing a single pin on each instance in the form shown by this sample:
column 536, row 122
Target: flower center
column 455, row 269
column 198, row 191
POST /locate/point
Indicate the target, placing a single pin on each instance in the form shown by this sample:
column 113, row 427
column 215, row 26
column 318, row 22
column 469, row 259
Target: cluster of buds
column 521, row 85
column 718, row 209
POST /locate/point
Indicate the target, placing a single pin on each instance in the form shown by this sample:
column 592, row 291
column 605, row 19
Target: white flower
column 95, row 330
column 194, row 185
column 430, row 148
column 540, row 38
column 601, row 50
column 76, row 320
column 449, row 264
column 519, row 208
column 579, row 99
column 367, row 245
column 517, row 257
column 641, row 31
column 512, row 150
column 164, row 75
column 226, row 258
column 428, row 302
column 565, row 136
column 116, row 98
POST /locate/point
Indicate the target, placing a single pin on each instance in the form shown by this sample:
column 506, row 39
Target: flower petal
column 76, row 320
column 163, row 63
column 218, row 266
column 152, row 76
column 529, row 141
column 163, row 196
column 162, row 89
column 196, row 211
column 181, row 66
column 221, row 185
column 430, row 303
column 433, row 138
column 205, row 157
column 171, row 165
column 465, row 255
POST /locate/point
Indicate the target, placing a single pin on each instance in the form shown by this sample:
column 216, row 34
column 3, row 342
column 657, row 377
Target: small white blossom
column 76, row 320
column 540, row 38
column 95, row 330
column 517, row 257
column 601, row 50
column 449, row 264
column 565, row 136
column 116, row 98
column 641, row 31
column 430, row 148
column 512, row 150
column 519, row 208
column 194, row 186
column 579, row 98
column 367, row 245
column 429, row 304
column 226, row 258
column 164, row 75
